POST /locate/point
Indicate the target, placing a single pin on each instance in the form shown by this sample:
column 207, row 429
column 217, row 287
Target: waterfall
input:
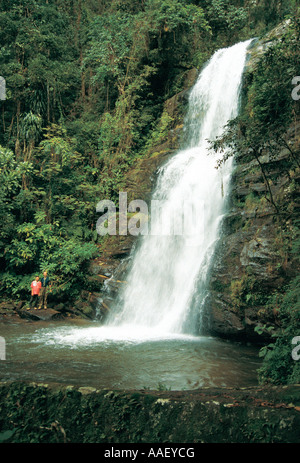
column 170, row 269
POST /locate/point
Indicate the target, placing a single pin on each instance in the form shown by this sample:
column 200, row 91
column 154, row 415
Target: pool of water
column 86, row 354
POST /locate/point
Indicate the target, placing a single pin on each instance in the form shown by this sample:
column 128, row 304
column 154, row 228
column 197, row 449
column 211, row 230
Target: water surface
column 86, row 354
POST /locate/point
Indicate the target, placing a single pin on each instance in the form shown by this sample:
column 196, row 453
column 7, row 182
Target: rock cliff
column 253, row 256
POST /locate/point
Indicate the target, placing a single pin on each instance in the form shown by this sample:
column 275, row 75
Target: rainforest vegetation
column 85, row 86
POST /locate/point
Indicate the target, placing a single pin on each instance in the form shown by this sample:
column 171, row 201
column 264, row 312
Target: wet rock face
column 252, row 260
column 259, row 47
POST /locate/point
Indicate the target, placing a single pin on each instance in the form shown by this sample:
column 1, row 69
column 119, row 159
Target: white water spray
column 168, row 271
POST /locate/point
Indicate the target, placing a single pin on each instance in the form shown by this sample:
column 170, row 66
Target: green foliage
column 224, row 15
column 110, row 43
column 270, row 105
column 160, row 133
column 241, row 291
column 169, row 15
column 279, row 367
column 37, row 60
column 55, row 235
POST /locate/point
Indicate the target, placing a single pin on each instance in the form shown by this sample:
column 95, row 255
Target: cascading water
column 152, row 336
column 168, row 269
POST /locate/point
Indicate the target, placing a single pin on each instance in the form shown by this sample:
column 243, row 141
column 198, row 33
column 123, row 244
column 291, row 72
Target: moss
column 158, row 153
column 218, row 286
column 255, row 202
column 233, row 223
column 57, row 414
column 241, row 289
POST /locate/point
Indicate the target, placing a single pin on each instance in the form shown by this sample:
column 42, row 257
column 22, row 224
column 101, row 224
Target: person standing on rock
column 35, row 291
column 45, row 282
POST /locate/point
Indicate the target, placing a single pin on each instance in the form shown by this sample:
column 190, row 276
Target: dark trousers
column 33, row 301
column 43, row 297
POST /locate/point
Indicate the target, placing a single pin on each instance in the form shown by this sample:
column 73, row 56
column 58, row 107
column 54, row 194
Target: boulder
column 42, row 314
column 259, row 47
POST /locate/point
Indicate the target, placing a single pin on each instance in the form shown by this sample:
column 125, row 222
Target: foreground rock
column 86, row 307
column 42, row 314
column 54, row 413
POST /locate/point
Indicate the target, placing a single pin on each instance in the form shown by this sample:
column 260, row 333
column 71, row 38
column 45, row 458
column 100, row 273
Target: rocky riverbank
column 10, row 309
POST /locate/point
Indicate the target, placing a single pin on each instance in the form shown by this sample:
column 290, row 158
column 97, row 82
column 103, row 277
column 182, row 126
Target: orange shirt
column 36, row 287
